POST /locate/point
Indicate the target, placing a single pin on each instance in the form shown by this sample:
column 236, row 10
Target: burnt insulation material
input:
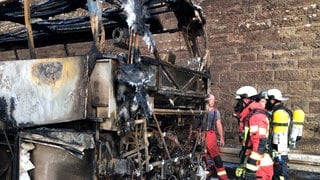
column 136, row 19
column 132, row 95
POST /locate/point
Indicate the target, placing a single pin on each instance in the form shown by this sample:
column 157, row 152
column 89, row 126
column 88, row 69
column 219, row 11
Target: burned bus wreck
column 102, row 115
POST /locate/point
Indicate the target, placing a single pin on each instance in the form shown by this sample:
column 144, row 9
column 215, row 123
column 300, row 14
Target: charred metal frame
column 120, row 115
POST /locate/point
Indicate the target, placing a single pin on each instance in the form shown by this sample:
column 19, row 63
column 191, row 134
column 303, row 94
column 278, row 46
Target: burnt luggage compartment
column 56, row 154
column 37, row 93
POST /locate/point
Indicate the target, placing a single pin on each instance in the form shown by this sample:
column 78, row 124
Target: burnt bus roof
column 68, row 21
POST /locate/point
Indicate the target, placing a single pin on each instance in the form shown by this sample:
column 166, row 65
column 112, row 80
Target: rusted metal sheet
column 43, row 91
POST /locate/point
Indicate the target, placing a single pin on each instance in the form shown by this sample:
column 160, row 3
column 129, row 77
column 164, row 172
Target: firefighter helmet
column 262, row 95
column 246, row 92
column 276, row 94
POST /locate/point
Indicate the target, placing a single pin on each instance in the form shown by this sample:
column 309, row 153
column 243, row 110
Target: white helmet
column 276, row 94
column 246, row 92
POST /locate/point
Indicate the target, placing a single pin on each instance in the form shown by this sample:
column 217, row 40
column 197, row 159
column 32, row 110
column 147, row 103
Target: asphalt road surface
column 294, row 174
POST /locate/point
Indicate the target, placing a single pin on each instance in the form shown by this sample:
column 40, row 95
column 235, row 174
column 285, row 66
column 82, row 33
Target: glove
column 277, row 162
column 274, row 154
column 244, row 173
column 240, row 172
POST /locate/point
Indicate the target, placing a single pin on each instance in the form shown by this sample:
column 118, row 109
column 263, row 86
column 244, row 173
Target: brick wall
column 266, row 44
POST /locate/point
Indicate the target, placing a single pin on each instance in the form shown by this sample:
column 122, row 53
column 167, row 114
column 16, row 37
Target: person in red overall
column 259, row 164
column 209, row 127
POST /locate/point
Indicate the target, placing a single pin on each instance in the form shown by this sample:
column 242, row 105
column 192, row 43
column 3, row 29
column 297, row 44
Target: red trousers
column 265, row 173
column 211, row 143
column 265, row 169
column 214, row 151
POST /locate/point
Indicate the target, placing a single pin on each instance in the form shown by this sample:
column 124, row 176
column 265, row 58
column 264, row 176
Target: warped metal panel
column 43, row 91
column 54, row 163
column 175, row 79
column 181, row 80
column 101, row 82
column 176, row 87
column 103, row 92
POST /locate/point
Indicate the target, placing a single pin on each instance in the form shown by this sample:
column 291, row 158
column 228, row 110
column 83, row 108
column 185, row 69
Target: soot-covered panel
column 42, row 91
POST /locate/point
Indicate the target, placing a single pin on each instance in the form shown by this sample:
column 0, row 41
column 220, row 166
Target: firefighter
column 210, row 125
column 244, row 96
column 258, row 163
column 280, row 123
